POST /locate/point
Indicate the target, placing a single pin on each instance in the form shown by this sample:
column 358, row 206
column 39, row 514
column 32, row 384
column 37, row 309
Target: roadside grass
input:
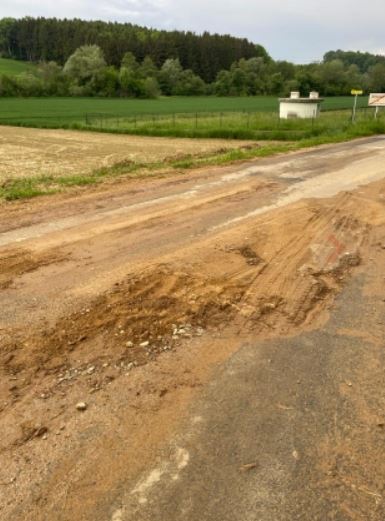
column 25, row 188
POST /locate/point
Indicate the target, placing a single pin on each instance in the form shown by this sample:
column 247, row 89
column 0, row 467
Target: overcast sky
column 296, row 30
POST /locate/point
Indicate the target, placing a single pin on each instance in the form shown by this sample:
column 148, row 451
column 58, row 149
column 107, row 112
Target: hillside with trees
column 79, row 58
column 50, row 39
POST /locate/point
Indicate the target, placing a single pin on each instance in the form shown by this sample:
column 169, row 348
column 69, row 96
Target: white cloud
column 300, row 30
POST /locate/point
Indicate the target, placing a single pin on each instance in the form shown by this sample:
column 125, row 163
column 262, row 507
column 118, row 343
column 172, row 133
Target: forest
column 83, row 58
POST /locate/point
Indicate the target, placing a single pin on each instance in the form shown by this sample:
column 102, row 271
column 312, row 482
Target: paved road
column 290, row 429
column 287, row 429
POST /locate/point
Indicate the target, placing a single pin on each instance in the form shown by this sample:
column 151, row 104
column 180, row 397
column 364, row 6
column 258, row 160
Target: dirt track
column 123, row 299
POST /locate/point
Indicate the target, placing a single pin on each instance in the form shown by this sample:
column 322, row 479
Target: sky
column 298, row 30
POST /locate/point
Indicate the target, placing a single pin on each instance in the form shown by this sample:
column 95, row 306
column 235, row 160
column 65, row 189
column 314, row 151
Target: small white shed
column 297, row 107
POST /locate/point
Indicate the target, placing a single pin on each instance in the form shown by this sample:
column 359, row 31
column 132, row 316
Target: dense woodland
column 80, row 58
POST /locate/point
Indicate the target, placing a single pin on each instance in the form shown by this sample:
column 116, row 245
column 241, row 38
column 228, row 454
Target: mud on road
column 128, row 299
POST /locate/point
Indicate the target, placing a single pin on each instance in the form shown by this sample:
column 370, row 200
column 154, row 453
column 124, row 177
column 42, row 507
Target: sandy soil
column 128, row 299
column 30, row 152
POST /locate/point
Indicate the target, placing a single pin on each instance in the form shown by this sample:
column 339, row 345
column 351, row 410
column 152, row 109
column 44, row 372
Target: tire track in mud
column 280, row 291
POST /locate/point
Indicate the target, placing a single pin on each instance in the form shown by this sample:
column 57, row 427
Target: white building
column 297, row 107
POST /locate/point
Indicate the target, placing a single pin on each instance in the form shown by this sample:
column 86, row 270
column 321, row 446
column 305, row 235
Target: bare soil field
column 28, row 152
column 118, row 306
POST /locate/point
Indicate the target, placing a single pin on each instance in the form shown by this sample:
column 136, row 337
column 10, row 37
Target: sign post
column 355, row 93
column 377, row 100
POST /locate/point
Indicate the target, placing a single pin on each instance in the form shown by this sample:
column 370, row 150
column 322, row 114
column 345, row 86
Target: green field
column 206, row 117
column 57, row 112
column 13, row 67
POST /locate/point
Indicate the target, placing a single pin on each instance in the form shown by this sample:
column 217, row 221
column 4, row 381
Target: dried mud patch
column 241, row 287
column 17, row 261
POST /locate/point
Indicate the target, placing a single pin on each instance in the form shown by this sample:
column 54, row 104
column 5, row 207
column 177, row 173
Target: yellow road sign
column 356, row 92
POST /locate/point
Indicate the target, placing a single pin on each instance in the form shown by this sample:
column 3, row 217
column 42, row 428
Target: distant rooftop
column 295, row 97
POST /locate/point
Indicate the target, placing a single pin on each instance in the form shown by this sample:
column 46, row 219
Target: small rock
column 129, row 344
column 145, row 344
column 81, row 406
column 248, row 466
column 91, row 369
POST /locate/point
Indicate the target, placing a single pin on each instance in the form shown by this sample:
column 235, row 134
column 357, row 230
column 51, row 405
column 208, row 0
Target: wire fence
column 253, row 124
column 205, row 121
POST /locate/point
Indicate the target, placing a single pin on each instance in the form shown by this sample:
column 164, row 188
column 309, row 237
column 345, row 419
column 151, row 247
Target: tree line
column 95, row 69
column 50, row 39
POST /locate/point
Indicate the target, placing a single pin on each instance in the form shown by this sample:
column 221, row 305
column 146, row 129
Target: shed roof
column 301, row 100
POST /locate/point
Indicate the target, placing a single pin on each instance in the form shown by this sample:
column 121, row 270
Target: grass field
column 62, row 112
column 13, row 67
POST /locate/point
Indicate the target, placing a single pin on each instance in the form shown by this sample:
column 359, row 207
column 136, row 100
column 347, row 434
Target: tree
column 148, row 68
column 129, row 62
column 6, row 25
column 84, row 64
column 105, row 82
column 151, row 88
column 54, row 81
column 169, row 76
column 189, row 84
